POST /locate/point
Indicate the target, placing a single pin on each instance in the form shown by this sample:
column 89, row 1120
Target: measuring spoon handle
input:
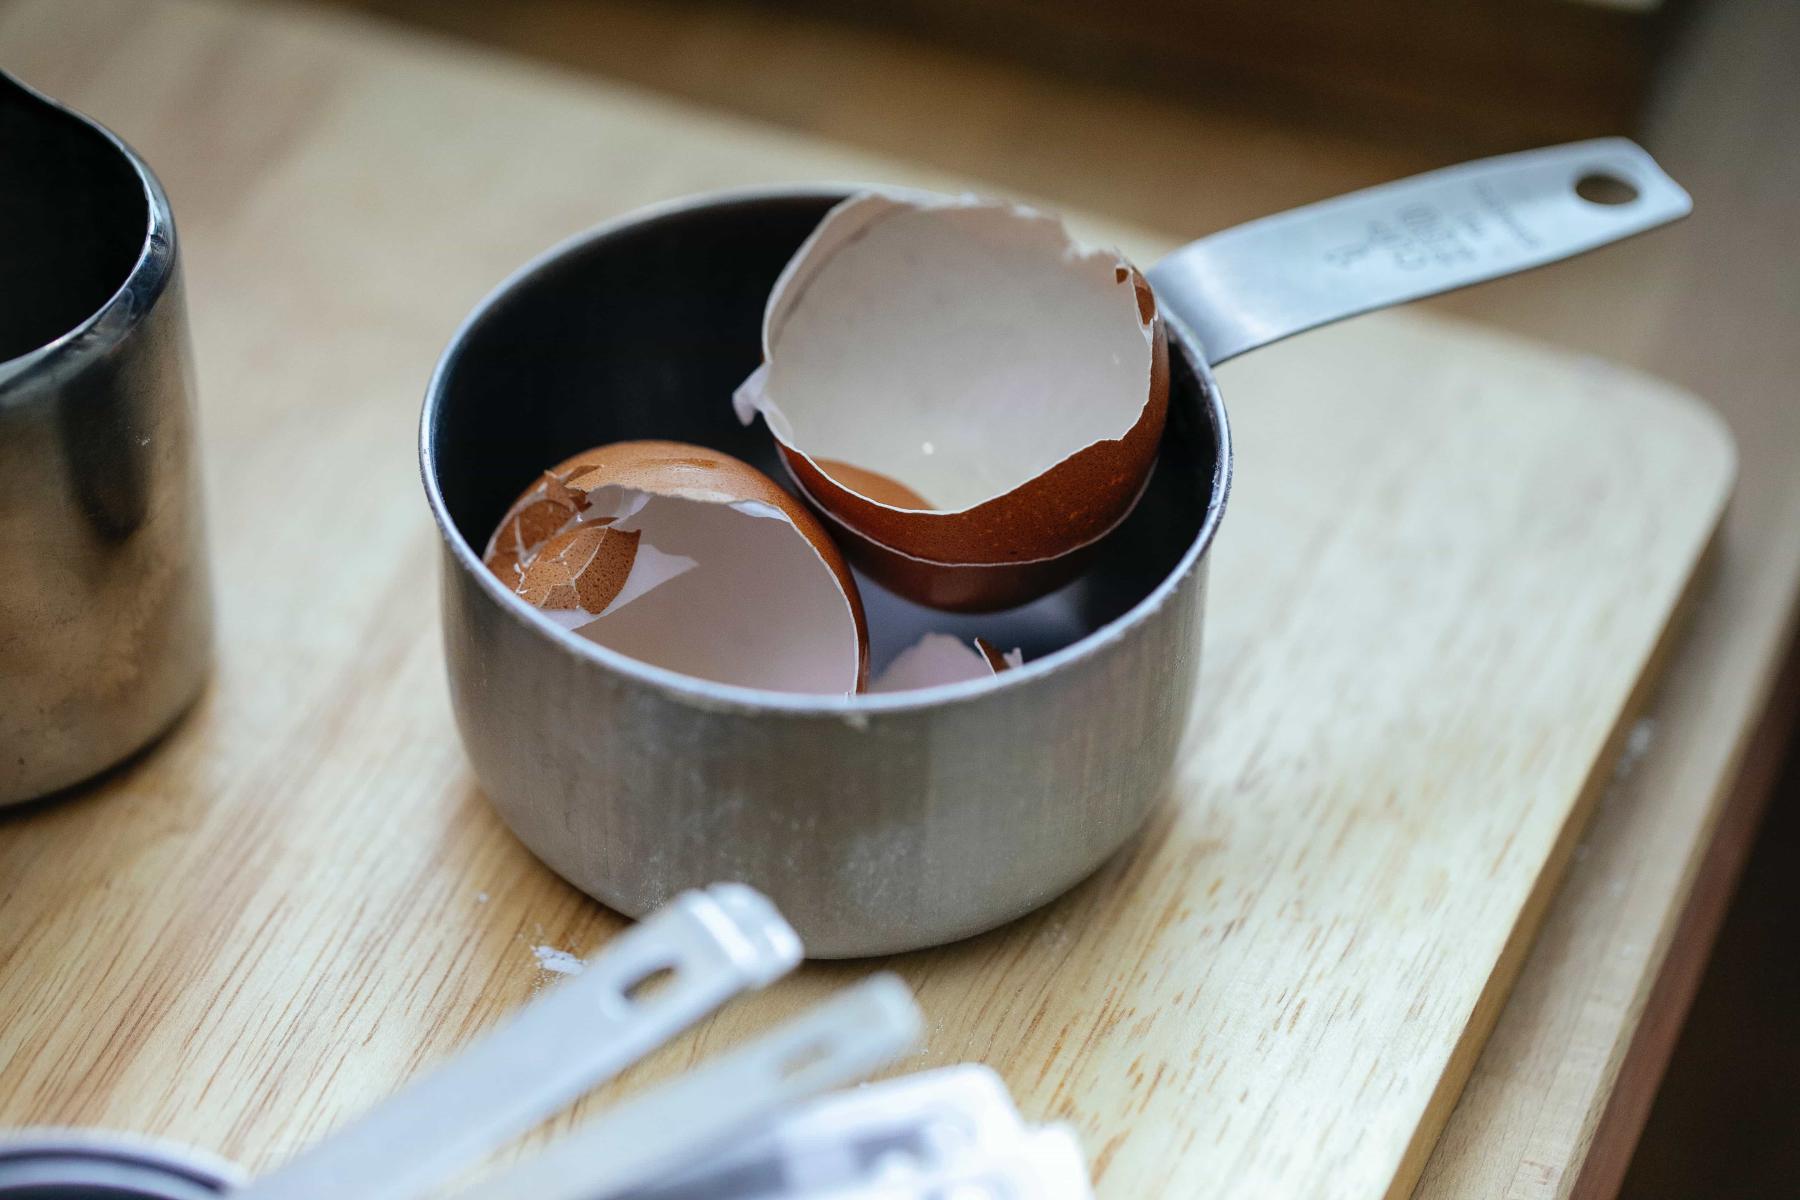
column 705, row 947
column 1271, row 278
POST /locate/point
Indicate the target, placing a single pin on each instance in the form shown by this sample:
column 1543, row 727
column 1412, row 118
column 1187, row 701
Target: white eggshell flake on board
column 690, row 560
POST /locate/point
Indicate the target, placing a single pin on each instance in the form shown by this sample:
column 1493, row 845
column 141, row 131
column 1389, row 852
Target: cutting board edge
column 1492, row 999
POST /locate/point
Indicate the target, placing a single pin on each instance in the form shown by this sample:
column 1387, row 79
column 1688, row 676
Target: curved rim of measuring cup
column 136, row 294
column 34, row 1157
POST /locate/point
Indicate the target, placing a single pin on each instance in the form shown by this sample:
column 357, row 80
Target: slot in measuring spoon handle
column 1260, row 282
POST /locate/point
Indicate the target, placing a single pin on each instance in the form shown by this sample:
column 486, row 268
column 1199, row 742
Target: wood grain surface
column 1539, row 1117
column 1450, row 561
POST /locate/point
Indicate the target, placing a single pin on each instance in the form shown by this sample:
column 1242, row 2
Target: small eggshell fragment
column 960, row 385
column 996, row 661
column 688, row 559
column 938, row 658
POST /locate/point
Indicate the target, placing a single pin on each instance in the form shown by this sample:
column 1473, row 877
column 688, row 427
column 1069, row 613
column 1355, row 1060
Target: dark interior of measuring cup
column 645, row 331
column 73, row 218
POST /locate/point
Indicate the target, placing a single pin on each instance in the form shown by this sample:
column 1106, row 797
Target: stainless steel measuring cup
column 891, row 822
column 105, row 616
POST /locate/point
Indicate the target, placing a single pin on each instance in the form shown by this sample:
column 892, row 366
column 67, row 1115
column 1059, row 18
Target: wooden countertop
column 1576, row 1023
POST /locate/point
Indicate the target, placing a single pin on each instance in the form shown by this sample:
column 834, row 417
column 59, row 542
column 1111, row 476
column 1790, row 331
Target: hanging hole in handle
column 1603, row 187
column 809, row 1055
column 646, row 987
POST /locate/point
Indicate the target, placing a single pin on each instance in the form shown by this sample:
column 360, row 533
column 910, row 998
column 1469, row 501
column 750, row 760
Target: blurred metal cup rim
column 46, row 1162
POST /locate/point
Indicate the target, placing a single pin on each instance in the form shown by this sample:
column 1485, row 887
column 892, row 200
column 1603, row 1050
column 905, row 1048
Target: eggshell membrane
column 1069, row 502
column 670, row 484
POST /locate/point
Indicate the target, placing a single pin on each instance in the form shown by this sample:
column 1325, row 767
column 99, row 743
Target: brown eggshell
column 1078, row 501
column 961, row 587
column 870, row 484
column 918, row 297
column 996, row 661
column 585, row 567
column 539, row 512
column 558, row 566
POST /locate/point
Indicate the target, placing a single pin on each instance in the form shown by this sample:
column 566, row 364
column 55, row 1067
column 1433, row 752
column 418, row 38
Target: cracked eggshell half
column 958, row 383
column 688, row 559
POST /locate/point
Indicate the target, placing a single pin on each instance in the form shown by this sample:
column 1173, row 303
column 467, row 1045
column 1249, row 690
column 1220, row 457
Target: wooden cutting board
column 1449, row 565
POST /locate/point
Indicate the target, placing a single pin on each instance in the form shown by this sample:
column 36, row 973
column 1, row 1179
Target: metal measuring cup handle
column 1280, row 275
